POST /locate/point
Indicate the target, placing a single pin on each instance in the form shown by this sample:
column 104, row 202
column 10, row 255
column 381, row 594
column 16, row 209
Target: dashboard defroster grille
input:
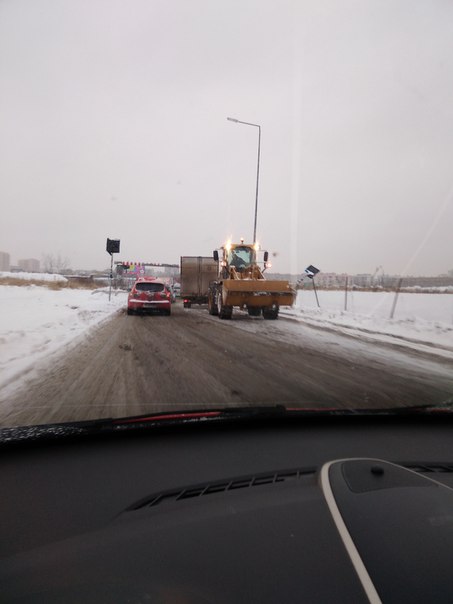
column 244, row 482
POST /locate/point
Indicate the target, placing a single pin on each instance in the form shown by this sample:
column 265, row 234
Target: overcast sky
column 113, row 124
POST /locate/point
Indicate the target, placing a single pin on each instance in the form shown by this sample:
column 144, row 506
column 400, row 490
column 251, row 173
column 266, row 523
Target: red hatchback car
column 149, row 295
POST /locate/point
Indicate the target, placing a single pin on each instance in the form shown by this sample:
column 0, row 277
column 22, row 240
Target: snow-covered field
column 419, row 319
column 36, row 321
column 426, row 306
column 47, row 277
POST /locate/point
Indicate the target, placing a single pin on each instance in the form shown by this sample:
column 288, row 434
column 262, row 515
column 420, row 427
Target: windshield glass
column 140, row 139
column 241, row 256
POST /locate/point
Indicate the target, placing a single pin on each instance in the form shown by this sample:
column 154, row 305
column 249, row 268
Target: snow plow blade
column 257, row 292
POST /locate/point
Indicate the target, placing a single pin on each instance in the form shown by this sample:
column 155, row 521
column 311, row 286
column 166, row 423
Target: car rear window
column 149, row 287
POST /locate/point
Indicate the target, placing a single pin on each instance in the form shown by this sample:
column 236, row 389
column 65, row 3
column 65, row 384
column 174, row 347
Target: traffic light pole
column 113, row 246
column 111, row 276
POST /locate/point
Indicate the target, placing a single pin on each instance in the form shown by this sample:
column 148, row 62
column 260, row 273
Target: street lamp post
column 232, row 119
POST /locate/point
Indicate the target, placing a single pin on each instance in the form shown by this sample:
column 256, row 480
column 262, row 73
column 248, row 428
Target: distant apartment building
column 5, row 264
column 440, row 281
column 369, row 281
column 29, row 265
column 362, row 280
column 331, row 280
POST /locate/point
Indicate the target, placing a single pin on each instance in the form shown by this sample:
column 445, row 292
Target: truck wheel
column 254, row 311
column 130, row 311
column 224, row 312
column 212, row 306
column 271, row 312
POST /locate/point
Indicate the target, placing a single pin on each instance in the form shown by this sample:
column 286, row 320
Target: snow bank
column 36, row 321
column 33, row 276
column 425, row 319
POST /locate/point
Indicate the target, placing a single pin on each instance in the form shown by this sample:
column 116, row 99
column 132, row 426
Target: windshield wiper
column 212, row 416
column 433, row 408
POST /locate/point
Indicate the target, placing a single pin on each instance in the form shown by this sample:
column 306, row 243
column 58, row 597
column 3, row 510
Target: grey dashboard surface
column 228, row 514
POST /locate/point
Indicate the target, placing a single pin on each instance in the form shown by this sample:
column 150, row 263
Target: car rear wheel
column 130, row 311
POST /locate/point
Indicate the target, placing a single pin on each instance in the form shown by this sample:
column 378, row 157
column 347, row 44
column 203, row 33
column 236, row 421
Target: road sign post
column 112, row 247
column 311, row 272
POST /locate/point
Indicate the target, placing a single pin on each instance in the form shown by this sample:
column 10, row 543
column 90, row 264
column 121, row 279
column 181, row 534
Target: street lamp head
column 232, row 119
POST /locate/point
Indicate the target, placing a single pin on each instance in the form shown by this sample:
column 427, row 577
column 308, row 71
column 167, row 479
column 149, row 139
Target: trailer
column 196, row 274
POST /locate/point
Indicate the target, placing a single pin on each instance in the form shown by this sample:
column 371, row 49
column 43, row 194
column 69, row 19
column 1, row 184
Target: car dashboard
column 344, row 509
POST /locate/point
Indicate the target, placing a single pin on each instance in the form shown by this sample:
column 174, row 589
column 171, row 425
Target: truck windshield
column 241, row 257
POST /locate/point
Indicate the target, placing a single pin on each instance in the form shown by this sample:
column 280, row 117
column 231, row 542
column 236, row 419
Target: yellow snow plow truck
column 241, row 283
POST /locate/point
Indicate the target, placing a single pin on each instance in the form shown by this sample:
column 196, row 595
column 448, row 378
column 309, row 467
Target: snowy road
column 134, row 365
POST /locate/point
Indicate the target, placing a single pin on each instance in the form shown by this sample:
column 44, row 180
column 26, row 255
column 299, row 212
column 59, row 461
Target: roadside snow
column 36, row 321
column 33, row 276
column 420, row 319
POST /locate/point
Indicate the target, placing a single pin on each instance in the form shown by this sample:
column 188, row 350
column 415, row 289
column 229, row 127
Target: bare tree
column 55, row 263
